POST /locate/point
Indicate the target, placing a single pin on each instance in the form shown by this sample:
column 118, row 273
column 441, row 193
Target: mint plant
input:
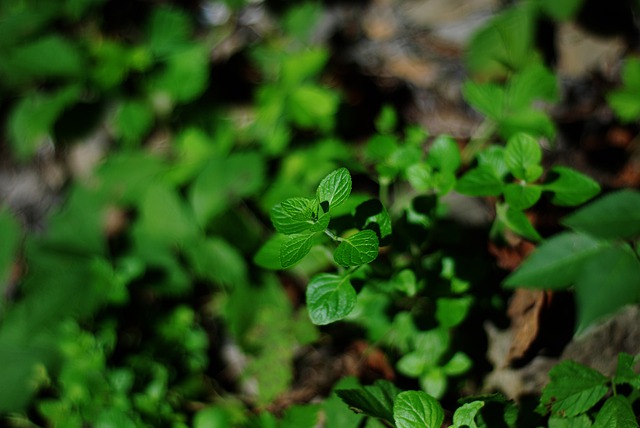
column 513, row 172
column 330, row 297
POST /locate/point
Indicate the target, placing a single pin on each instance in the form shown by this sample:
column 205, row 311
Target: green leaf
column 530, row 120
column 169, row 29
column 560, row 10
column 387, row 120
column 452, row 311
column 182, row 79
column 581, row 421
column 523, row 156
column 432, row 345
column 434, row 382
column 405, row 282
column 417, row 409
column 268, row 256
column 614, row 216
column 557, row 263
column 215, row 259
column 625, row 371
column 522, row 196
column 301, row 416
column 11, row 233
column 535, row 82
column 329, row 298
column 420, row 176
column 625, row 104
column 358, row 249
column 47, row 57
column 301, row 20
column 132, row 121
column 311, row 106
column 335, row 188
column 573, row 389
column 335, row 411
column 465, row 415
column 376, row 400
column 372, row 215
column 607, row 283
column 492, row 158
column 444, row 154
column 211, row 417
column 487, row 98
column 459, row 364
column 480, row 181
column 571, row 188
column 616, row 413
column 517, row 221
column 304, row 65
column 412, row 364
column 223, row 182
column 32, row 118
column 295, row 248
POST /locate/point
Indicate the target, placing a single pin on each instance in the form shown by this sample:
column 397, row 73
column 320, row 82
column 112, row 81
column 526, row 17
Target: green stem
column 384, row 191
column 478, row 140
column 333, row 236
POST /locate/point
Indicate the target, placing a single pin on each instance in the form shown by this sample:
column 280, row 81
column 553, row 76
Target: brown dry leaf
column 510, row 257
column 370, row 360
column 524, row 311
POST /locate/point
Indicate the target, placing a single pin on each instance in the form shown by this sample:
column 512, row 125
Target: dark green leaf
column 376, row 400
column 301, row 416
column 581, row 421
column 522, row 196
column 169, row 29
column 329, row 298
column 607, row 283
column 417, row 409
column 625, row 371
column 517, row 221
column 132, row 121
column 557, row 263
column 215, row 259
column 336, row 413
column 530, row 120
column 183, row 78
column 573, row 389
column 625, row 104
column 372, row 215
column 523, row 156
column 616, row 413
column 465, row 416
column 614, row 216
column 358, row 249
column 295, row 248
column 11, row 233
column 444, row 154
column 480, row 181
column 49, row 56
column 335, row 188
column 571, row 188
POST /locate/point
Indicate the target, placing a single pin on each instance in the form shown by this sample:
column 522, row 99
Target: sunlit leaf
column 416, row 408
column 329, row 298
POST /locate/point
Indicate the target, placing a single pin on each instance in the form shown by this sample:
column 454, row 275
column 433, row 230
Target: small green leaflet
column 465, row 415
column 444, row 154
column 417, row 409
column 295, row 248
column 571, row 188
column 358, row 249
column 614, row 216
column 523, row 156
column 295, row 215
column 285, row 223
column 517, row 221
column 625, row 372
column 299, row 208
column 329, row 298
column 376, row 400
column 573, row 389
column 335, row 188
column 452, row 311
column 556, row 263
column 616, row 413
column 459, row 364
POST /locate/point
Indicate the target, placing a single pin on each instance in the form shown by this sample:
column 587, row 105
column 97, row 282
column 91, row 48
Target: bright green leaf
column 295, row 248
column 616, row 413
column 625, row 104
column 557, row 263
column 335, row 188
column 420, row 176
column 329, row 298
column 387, row 120
column 492, row 158
column 573, row 389
column 444, row 154
column 434, row 382
column 132, row 121
column 614, row 216
column 571, row 188
column 459, row 364
column 487, row 98
column 417, row 409
column 465, row 416
column 311, row 106
column 358, row 249
column 412, row 364
column 480, row 181
column 522, row 196
column 301, row 416
column 452, row 311
column 607, row 283
column 535, row 82
column 523, row 156
column 405, row 282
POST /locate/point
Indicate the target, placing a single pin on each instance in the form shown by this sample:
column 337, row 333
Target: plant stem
column 384, row 191
column 333, row 236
